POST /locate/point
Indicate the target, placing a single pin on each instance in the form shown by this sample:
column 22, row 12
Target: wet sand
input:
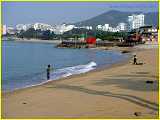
column 118, row 92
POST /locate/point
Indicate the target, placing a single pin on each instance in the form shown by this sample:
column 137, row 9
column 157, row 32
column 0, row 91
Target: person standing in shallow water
column 48, row 71
column 135, row 60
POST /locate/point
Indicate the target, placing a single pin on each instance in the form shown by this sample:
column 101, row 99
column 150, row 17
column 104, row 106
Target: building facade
column 149, row 34
column 42, row 26
column 11, row 30
column 4, row 30
column 60, row 29
column 136, row 21
column 122, row 26
column 99, row 27
column 106, row 27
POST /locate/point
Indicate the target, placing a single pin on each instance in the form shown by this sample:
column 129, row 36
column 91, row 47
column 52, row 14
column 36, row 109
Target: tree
column 38, row 34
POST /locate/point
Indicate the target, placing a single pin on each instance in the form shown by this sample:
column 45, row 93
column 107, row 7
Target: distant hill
column 114, row 17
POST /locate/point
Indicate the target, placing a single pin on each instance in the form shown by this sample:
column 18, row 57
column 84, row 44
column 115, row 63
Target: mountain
column 114, row 17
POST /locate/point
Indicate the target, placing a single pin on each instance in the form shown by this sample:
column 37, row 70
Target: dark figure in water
column 48, row 72
column 135, row 60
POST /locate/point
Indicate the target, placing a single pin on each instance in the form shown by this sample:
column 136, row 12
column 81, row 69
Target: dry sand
column 117, row 92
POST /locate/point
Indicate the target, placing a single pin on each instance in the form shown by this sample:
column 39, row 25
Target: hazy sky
column 69, row 12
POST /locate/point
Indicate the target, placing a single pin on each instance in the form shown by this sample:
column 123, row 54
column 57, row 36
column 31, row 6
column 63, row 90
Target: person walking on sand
column 48, row 71
column 135, row 60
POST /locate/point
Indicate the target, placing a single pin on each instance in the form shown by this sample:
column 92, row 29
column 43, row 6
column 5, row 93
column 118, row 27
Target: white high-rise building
column 60, row 29
column 99, row 27
column 42, row 26
column 28, row 26
column 24, row 27
column 20, row 27
column 122, row 26
column 106, row 27
column 11, row 30
column 4, row 30
column 84, row 27
column 69, row 27
column 135, row 21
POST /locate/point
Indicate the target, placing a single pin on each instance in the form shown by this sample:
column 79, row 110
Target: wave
column 68, row 71
column 57, row 74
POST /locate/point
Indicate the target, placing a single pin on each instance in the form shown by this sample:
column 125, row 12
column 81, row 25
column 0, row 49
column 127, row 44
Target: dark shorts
column 48, row 76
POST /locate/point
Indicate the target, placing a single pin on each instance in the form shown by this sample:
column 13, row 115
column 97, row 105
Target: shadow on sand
column 129, row 83
column 130, row 98
column 136, row 81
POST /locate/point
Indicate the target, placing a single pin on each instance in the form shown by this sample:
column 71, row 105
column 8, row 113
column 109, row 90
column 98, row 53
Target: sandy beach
column 117, row 92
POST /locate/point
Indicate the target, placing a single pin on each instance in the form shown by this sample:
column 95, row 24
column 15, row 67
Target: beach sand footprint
column 24, row 103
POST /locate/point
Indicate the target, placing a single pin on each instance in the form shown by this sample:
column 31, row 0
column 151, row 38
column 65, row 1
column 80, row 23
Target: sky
column 65, row 12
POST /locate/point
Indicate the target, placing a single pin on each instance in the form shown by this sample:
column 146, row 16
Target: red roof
column 91, row 40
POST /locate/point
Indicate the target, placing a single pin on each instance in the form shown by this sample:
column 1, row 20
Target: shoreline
column 117, row 49
column 116, row 92
column 33, row 40
column 120, row 63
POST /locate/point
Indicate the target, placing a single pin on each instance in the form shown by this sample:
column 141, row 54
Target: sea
column 24, row 64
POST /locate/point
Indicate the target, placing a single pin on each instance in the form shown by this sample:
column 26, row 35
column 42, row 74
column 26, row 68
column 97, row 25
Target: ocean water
column 24, row 63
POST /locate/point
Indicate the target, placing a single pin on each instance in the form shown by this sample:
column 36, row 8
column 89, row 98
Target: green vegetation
column 111, row 36
column 74, row 34
column 31, row 33
column 78, row 33
column 103, row 35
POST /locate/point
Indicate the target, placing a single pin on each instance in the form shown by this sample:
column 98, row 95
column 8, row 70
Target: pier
column 83, row 44
column 80, row 44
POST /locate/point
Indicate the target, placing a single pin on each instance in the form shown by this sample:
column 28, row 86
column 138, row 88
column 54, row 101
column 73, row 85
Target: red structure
column 91, row 40
column 135, row 37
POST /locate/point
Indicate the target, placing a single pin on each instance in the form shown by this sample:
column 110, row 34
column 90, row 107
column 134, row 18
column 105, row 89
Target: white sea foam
column 65, row 72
